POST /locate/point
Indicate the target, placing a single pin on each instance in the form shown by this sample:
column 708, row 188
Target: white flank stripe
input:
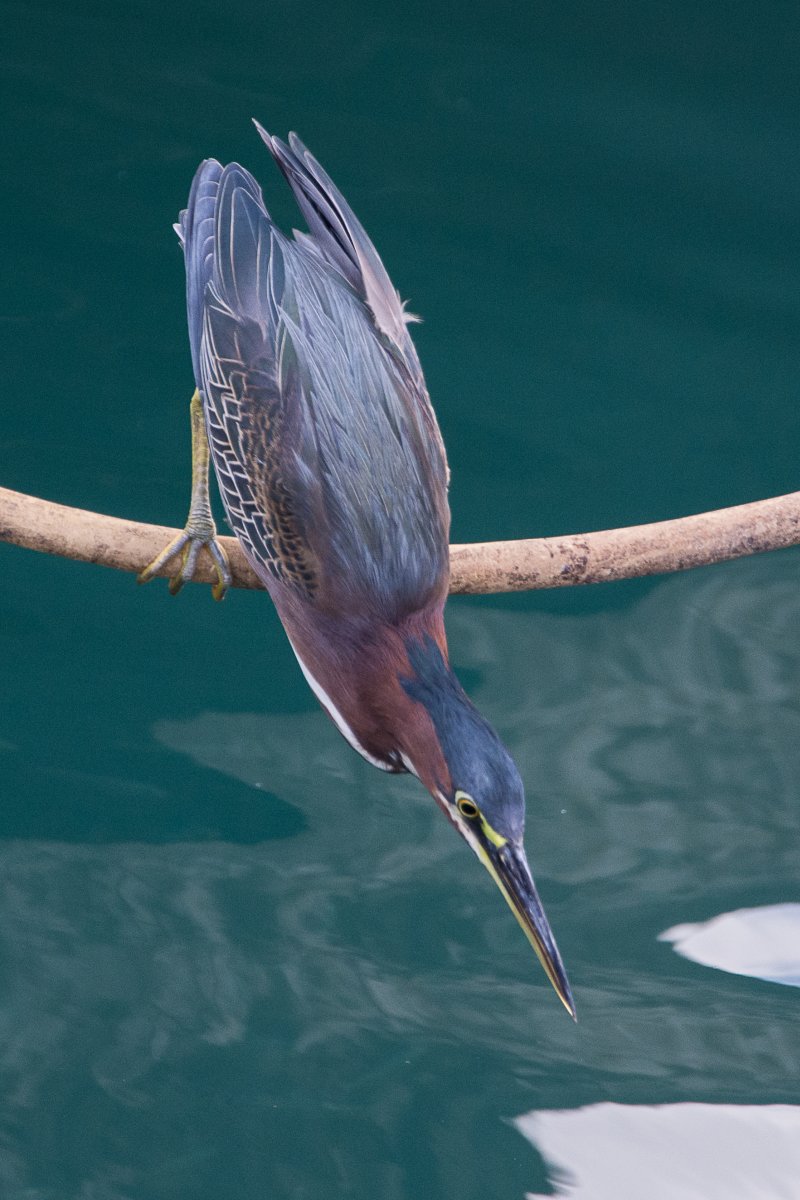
column 407, row 763
column 336, row 716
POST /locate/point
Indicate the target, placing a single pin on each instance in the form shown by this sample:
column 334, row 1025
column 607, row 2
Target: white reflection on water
column 764, row 942
column 669, row 1151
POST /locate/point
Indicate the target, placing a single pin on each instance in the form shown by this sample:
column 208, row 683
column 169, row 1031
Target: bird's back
column 325, row 445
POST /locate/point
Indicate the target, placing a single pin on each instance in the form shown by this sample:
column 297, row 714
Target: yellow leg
column 200, row 529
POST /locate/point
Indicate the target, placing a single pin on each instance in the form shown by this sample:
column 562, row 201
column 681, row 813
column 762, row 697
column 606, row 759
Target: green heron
column 311, row 399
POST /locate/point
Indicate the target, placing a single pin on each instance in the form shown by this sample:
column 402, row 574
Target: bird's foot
column 199, row 532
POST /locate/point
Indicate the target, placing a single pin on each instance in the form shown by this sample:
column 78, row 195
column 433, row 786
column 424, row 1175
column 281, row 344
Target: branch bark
column 512, row 566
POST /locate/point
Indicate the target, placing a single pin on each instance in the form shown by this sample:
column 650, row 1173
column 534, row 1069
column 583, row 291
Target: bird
column 311, row 404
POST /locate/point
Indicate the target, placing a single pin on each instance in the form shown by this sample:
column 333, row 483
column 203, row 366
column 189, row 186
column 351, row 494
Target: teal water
column 237, row 962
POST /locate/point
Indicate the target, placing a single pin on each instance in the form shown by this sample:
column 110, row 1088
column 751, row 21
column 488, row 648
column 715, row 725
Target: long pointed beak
column 509, row 868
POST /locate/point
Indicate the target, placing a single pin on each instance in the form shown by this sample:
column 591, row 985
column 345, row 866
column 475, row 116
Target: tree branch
column 513, row 566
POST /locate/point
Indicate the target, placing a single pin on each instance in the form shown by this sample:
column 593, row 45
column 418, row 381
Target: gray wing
column 331, row 473
column 241, row 394
column 339, row 238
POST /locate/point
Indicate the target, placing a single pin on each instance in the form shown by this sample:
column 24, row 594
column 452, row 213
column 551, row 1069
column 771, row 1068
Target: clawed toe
column 188, row 545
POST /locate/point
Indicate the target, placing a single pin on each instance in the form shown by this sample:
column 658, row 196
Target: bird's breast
column 385, row 762
column 356, row 669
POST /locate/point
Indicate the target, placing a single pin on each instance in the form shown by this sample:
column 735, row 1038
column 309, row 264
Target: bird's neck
column 375, row 684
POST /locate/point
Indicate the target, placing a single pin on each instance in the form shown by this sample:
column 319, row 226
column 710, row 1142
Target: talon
column 189, row 545
column 170, row 550
column 175, row 583
column 223, row 570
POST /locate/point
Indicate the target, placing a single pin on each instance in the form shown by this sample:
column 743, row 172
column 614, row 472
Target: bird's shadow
column 158, row 797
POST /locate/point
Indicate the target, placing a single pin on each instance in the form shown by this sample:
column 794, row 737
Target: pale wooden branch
column 512, row 566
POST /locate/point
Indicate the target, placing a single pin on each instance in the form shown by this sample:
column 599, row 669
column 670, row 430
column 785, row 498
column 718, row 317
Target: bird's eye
column 466, row 806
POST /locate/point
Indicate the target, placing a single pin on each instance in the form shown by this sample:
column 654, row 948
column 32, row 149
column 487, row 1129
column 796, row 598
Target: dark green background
column 235, row 961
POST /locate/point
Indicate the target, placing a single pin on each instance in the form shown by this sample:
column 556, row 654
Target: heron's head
column 475, row 780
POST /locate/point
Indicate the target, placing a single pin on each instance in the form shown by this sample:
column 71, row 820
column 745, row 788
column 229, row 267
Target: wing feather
column 326, row 449
column 340, row 238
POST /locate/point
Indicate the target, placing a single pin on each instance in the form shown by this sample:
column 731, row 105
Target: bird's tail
column 195, row 230
column 228, row 242
column 248, row 265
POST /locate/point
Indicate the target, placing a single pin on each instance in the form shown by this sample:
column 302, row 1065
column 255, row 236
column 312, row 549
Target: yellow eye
column 466, row 806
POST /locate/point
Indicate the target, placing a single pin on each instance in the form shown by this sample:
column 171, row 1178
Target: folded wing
column 326, row 449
